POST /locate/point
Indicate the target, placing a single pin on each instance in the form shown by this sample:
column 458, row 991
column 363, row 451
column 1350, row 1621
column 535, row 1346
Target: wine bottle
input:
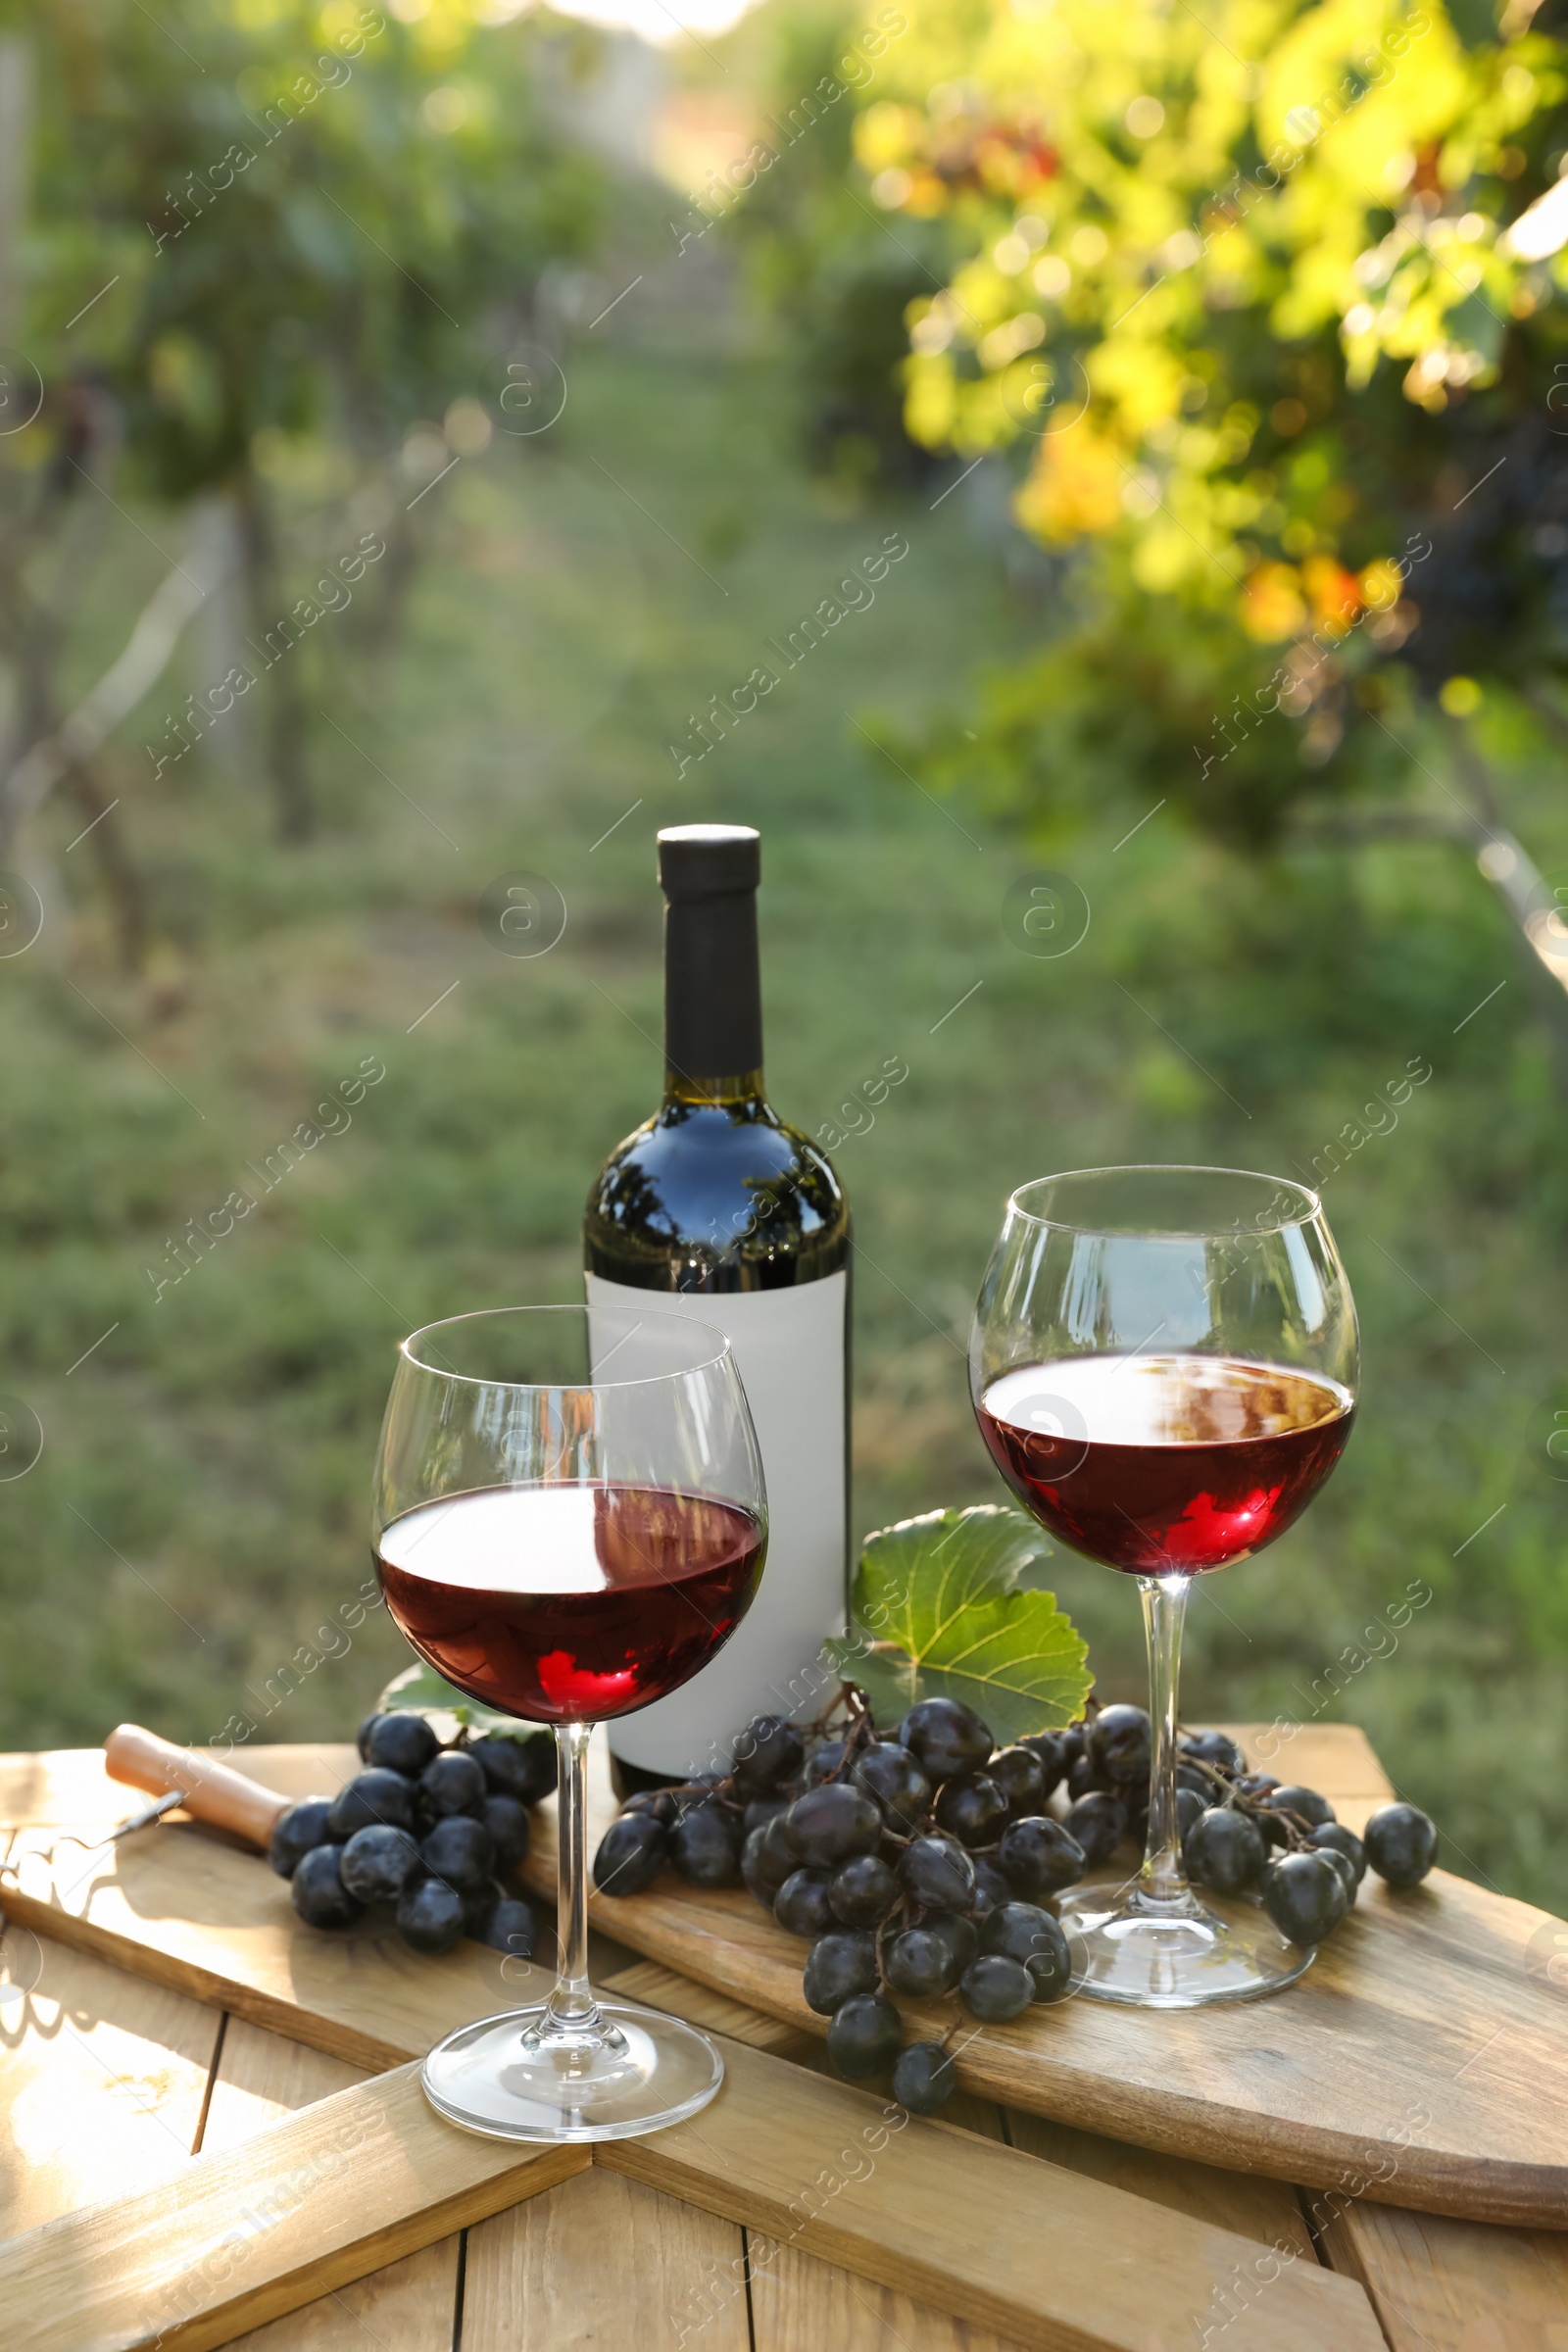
column 716, row 1208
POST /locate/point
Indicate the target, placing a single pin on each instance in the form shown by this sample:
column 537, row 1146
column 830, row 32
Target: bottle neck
column 741, row 1088
column 712, row 999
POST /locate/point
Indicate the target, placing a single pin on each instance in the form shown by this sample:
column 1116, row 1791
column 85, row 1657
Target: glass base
column 1183, row 1955
column 627, row 2071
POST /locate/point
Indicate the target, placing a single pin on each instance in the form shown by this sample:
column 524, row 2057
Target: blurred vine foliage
column 1261, row 304
column 257, row 242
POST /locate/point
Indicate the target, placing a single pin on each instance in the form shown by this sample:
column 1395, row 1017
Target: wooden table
column 110, row 2083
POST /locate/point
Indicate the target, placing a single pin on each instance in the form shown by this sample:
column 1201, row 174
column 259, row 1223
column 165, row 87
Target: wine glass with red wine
column 569, row 1522
column 1164, row 1365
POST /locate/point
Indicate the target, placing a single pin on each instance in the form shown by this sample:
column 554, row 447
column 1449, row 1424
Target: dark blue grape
column 945, row 1737
column 1020, row 1774
column 827, row 1825
column 377, row 1863
column 863, row 1891
column 762, row 1808
column 1085, row 1775
column 1038, row 1857
column 453, row 1782
column 766, row 1861
column 991, row 1887
column 662, row 1803
column 320, row 1896
column 512, row 1927
column 890, row 1774
column 924, row 2078
column 995, row 1989
column 301, row 1827
column 1024, row 1933
column 1213, row 1747
column 1311, row 1811
column 1401, row 1844
column 430, row 1916
column 803, row 1907
column 972, row 1808
column 460, row 1851
column 1333, row 1837
column 864, row 2036
column 1118, row 1742
column 401, row 1743
column 770, row 1750
column 520, row 1766
column 959, row 1935
column 361, row 1739
column 371, row 1796
column 938, row 1872
column 478, row 1907
column 632, row 1852
column 1098, row 1823
column 929, row 1959
column 1304, row 1896
column 1225, row 1850
column 507, row 1821
column 705, row 1844
column 1049, row 1747
column 919, row 1964
column 838, row 1966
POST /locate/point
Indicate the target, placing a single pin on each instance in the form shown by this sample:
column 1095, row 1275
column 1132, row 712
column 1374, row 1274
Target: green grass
column 199, row 1509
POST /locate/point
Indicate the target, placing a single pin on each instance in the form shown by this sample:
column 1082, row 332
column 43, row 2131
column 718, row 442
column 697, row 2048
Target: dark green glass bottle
column 739, row 1220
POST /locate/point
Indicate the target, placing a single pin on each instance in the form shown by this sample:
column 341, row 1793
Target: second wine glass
column 1163, row 1366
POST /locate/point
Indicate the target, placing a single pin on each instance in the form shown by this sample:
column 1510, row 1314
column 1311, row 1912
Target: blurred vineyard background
column 419, row 424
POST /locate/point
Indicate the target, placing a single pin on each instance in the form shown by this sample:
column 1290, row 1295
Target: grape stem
column 1296, row 1827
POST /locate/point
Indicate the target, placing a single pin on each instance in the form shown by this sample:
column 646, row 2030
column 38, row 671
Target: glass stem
column 1163, row 1882
column 572, row 2004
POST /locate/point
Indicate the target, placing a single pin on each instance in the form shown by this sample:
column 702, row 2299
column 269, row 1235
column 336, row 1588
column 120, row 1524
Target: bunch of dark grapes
column 424, row 1830
column 924, row 1862
column 1244, row 1832
column 918, row 1864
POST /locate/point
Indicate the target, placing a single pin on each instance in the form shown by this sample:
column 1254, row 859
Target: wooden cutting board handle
column 211, row 1791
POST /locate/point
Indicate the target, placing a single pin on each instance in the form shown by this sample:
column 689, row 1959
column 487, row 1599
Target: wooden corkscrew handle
column 211, row 1791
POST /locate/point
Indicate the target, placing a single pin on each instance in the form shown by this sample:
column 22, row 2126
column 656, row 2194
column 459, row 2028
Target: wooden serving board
column 1419, row 2064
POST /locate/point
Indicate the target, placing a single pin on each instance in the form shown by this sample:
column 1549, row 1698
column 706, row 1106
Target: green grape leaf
column 946, row 1606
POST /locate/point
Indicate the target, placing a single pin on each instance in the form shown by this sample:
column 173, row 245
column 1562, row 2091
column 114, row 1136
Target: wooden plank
column 260, row 2079
column 408, row 2305
column 600, row 2263
column 1371, row 2049
column 716, row 2012
column 1454, row 2286
column 102, row 2080
column 1266, row 2210
column 412, row 2304
column 799, row 2305
column 235, row 2240
column 919, row 2207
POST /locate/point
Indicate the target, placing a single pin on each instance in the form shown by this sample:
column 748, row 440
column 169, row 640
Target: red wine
column 1164, row 1463
column 716, row 1208
column 572, row 1602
